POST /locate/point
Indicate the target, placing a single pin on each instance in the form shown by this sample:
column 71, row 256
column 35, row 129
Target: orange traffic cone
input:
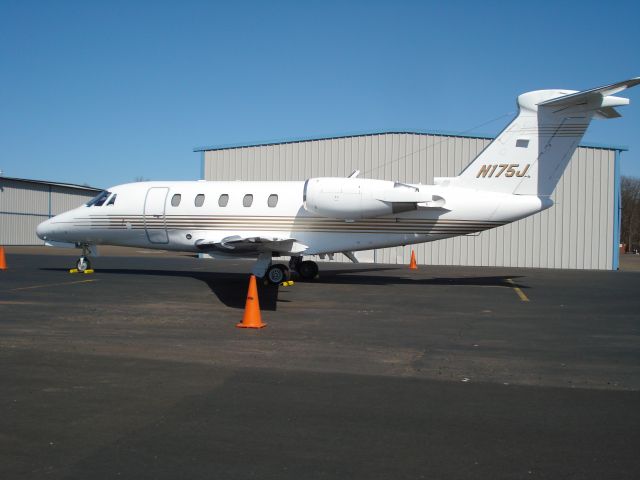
column 413, row 265
column 3, row 261
column 252, row 318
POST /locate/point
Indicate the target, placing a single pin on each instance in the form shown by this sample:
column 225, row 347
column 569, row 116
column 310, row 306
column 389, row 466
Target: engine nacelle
column 357, row 198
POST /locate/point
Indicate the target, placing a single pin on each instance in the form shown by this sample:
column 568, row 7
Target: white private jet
column 511, row 179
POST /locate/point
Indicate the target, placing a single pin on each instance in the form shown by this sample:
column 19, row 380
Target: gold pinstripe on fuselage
column 286, row 223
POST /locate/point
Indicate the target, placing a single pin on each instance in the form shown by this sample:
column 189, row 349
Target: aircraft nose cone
column 43, row 230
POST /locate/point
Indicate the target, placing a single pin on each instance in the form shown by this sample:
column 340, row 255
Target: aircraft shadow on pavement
column 231, row 287
column 337, row 277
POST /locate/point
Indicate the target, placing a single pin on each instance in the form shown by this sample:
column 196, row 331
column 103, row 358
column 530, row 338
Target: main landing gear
column 276, row 273
column 307, row 269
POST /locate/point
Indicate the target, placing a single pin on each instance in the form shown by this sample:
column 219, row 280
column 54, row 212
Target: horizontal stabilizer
column 578, row 98
column 598, row 100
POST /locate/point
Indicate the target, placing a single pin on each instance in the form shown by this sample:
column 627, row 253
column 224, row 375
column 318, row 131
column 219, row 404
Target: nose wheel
column 83, row 264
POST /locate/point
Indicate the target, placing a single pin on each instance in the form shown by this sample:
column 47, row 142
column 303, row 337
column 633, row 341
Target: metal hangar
column 581, row 231
column 25, row 203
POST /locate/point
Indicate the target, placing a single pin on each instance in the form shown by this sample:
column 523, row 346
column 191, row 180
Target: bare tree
column 630, row 197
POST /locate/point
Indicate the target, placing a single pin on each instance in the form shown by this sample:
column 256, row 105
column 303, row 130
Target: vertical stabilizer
column 531, row 154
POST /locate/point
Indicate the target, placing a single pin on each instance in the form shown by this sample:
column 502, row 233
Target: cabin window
column 199, row 201
column 272, row 201
column 522, row 143
column 223, row 200
column 247, row 200
column 112, row 200
column 175, row 200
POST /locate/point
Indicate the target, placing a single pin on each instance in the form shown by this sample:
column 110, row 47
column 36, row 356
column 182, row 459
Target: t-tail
column 530, row 155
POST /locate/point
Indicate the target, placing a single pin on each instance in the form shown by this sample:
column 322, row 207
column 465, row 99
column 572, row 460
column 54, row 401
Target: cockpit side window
column 112, row 200
column 99, row 199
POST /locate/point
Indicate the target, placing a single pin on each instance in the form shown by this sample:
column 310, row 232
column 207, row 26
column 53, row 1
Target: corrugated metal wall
column 577, row 232
column 23, row 205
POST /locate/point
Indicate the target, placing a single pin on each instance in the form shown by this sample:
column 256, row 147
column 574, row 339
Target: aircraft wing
column 243, row 245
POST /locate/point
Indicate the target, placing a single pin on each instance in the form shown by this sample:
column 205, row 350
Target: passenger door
column 155, row 223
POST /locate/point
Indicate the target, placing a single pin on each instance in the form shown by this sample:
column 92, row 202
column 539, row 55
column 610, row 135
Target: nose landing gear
column 84, row 264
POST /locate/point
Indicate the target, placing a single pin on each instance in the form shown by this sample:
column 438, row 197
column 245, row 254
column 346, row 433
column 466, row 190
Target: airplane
column 512, row 178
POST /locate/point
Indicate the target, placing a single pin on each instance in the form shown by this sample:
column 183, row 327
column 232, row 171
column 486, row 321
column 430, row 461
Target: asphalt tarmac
column 137, row 371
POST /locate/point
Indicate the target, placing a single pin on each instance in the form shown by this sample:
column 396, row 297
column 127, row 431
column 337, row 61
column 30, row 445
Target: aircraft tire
column 308, row 270
column 276, row 274
column 83, row 264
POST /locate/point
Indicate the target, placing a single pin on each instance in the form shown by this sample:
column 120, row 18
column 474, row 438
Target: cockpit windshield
column 99, row 199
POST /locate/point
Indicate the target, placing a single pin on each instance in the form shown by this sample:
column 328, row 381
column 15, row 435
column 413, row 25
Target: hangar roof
column 53, row 184
column 620, row 148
